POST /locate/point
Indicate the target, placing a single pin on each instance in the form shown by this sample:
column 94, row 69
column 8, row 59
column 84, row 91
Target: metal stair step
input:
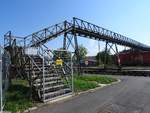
column 46, row 75
column 53, row 88
column 40, row 65
column 58, row 97
column 56, row 93
column 36, row 70
column 49, row 79
column 48, row 83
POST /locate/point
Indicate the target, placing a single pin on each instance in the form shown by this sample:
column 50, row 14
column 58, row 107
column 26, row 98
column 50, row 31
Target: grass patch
column 98, row 79
column 82, row 83
column 17, row 97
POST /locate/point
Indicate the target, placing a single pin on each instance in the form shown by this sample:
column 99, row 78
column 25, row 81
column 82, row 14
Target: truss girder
column 49, row 33
column 86, row 29
column 82, row 28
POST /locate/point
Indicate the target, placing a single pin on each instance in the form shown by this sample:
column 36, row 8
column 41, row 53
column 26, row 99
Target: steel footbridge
column 78, row 27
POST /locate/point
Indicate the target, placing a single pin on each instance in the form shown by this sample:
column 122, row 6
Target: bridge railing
column 45, row 34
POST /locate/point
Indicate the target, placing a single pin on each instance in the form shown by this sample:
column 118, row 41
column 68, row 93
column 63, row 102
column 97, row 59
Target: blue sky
column 128, row 17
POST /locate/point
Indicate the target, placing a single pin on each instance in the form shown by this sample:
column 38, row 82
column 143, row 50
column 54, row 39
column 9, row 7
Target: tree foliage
column 82, row 52
column 100, row 57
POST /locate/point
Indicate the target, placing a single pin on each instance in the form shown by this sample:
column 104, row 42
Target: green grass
column 98, row 79
column 17, row 97
column 82, row 83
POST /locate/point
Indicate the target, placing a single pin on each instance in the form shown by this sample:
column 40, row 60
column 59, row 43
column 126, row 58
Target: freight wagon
column 133, row 58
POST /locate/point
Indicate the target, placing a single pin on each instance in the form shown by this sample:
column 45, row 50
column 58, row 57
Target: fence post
column 72, row 74
column 1, row 96
column 43, row 75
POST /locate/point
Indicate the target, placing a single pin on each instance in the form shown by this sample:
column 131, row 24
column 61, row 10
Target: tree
column 82, row 52
column 100, row 57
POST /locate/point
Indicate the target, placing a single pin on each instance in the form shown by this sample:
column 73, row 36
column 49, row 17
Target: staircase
column 47, row 79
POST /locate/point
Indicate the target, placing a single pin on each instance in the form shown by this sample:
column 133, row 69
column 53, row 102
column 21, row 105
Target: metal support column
column 10, row 38
column 72, row 74
column 30, row 78
column 43, row 83
column 65, row 36
column 105, row 60
column 76, row 47
column 77, row 54
column 99, row 59
column 64, row 41
column 118, row 58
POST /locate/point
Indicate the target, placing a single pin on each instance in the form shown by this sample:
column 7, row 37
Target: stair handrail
column 44, row 53
column 34, row 62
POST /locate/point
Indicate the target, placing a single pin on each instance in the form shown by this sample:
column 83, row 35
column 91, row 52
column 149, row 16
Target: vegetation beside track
column 82, row 83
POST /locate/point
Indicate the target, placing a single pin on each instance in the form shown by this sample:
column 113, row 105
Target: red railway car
column 132, row 58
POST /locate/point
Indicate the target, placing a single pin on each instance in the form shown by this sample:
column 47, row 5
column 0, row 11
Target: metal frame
column 78, row 27
column 86, row 29
column 114, row 50
column 71, row 30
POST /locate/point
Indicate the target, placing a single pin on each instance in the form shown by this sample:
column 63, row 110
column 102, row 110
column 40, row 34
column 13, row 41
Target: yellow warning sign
column 59, row 62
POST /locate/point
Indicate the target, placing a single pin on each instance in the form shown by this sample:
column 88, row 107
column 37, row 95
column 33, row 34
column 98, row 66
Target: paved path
column 132, row 95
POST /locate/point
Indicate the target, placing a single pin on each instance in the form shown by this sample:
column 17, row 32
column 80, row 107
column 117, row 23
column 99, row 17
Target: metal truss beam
column 86, row 29
column 76, row 28
column 81, row 28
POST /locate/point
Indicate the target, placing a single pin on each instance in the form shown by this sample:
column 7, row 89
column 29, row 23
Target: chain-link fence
column 4, row 75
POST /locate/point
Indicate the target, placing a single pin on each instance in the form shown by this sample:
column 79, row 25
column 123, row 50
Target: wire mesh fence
column 4, row 75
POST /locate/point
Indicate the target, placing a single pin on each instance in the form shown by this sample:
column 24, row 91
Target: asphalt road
column 132, row 95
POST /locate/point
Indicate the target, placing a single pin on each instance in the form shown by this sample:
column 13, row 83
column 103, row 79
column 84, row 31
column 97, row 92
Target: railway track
column 133, row 71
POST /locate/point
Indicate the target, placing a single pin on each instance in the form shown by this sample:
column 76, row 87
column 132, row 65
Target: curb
column 62, row 99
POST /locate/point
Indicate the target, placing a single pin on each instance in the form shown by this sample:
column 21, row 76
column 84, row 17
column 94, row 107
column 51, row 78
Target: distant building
column 89, row 61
